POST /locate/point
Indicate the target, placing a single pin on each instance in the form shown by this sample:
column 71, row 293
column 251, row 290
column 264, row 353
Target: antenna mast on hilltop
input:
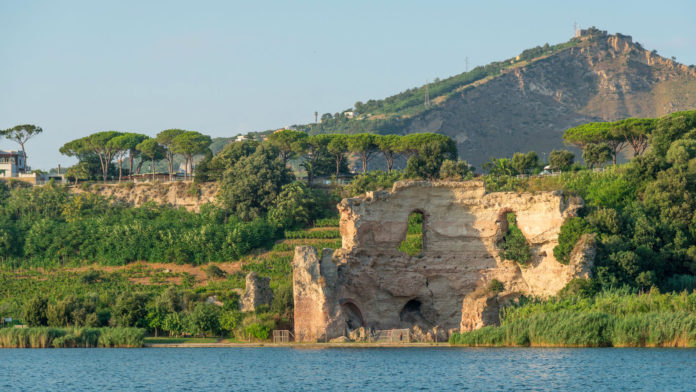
column 427, row 96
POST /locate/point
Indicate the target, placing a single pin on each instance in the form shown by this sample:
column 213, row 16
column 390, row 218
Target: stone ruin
column 256, row 293
column 370, row 285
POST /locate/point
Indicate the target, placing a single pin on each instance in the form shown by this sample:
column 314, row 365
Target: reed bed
column 610, row 319
column 47, row 337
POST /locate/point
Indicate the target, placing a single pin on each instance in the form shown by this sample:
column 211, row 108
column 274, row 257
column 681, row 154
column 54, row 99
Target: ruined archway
column 413, row 243
column 352, row 315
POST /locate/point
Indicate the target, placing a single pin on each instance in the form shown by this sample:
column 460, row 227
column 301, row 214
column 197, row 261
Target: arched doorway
column 352, row 315
column 411, row 314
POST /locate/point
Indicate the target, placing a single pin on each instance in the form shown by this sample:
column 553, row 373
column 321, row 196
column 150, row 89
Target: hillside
column 525, row 103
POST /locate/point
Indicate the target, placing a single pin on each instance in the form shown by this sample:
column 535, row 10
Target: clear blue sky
column 226, row 67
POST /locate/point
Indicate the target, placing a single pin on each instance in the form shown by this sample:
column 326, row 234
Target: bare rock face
column 257, row 293
column 582, row 257
column 370, row 284
column 479, row 311
column 176, row 194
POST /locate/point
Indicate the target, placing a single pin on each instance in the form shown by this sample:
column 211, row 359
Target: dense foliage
column 44, row 226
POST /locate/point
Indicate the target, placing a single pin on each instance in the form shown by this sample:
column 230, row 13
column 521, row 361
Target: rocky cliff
column 369, row 283
column 177, row 194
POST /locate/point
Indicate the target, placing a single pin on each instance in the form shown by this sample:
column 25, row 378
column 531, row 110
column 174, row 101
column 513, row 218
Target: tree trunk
column 140, row 166
column 153, row 169
column 24, row 154
column 170, row 158
column 389, row 157
column 120, row 169
column 310, row 175
column 101, row 162
column 130, row 169
column 364, row 162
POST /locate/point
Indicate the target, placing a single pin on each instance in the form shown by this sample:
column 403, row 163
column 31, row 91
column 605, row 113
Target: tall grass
column 616, row 318
column 46, row 337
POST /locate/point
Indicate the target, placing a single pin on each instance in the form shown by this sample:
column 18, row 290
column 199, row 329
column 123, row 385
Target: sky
column 229, row 67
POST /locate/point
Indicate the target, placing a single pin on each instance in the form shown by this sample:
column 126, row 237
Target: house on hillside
column 11, row 164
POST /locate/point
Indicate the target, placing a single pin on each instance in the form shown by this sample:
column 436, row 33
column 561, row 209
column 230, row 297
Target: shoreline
column 296, row 345
column 316, row 346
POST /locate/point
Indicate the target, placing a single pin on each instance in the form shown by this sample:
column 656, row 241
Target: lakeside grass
column 49, row 337
column 610, row 319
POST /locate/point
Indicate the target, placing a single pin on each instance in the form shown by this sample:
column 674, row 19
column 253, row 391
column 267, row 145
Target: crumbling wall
column 371, row 284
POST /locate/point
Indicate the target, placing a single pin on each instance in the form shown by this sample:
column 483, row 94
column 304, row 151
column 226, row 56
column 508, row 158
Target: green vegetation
column 495, row 286
column 97, row 152
column 48, row 226
column 412, row 245
column 44, row 337
column 513, row 245
column 614, row 318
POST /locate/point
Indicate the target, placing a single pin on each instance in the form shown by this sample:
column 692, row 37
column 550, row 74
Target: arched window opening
column 513, row 245
column 412, row 245
column 353, row 316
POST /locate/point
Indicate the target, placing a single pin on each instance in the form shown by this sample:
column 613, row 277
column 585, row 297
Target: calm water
column 379, row 369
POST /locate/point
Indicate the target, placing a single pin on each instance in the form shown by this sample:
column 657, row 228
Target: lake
column 347, row 369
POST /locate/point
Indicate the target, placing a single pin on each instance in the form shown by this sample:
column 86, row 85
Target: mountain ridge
column 525, row 103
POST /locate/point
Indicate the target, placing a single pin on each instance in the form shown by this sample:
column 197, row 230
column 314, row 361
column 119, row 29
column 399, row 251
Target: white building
column 11, row 163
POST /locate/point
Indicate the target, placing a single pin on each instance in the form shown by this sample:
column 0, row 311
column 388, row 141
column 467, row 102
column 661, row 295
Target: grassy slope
column 17, row 286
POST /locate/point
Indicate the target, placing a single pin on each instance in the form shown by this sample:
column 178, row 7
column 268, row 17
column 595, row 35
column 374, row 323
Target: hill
column 526, row 102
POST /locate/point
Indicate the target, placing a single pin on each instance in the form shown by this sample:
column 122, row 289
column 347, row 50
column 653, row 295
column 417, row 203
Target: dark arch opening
column 413, row 243
column 353, row 316
column 411, row 315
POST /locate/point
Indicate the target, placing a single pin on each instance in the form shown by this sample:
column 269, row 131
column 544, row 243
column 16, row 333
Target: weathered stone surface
column 582, row 257
column 175, row 194
column 369, row 283
column 257, row 293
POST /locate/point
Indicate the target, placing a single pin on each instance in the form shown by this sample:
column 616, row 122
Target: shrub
column 495, row 286
column 257, row 331
column 213, row 271
column 514, row 245
column 571, row 231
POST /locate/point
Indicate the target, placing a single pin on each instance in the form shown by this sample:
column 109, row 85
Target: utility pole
column 427, row 96
column 316, row 117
